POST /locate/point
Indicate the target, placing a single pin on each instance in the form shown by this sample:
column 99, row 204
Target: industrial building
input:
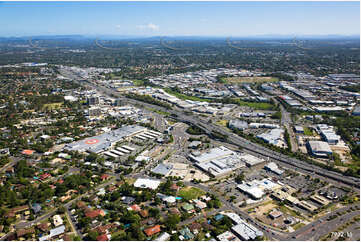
column 238, row 124
column 94, row 100
column 319, row 148
column 274, row 136
column 263, row 125
column 246, row 231
column 274, row 168
column 251, row 160
column 105, row 141
column 256, row 188
column 228, row 236
column 218, row 161
column 299, row 129
column 163, row 169
column 147, row 183
column 328, row 134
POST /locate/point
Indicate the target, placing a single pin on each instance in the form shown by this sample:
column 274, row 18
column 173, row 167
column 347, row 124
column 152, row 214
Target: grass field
column 308, row 131
column 222, row 122
column 159, row 111
column 286, row 210
column 236, row 80
column 185, row 97
column 51, row 106
column 138, row 82
column 257, row 105
column 190, row 193
column 298, row 225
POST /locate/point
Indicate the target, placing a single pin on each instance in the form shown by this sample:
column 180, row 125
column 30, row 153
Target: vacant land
column 158, row 111
column 222, row 122
column 308, row 131
column 138, row 82
column 257, row 105
column 185, row 97
column 235, row 80
column 189, row 193
column 51, row 106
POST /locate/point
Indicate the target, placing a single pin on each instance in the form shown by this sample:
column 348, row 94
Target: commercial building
column 274, row 168
column 320, row 200
column 356, row 111
column 57, row 220
column 194, row 144
column 163, row 169
column 319, row 148
column 274, row 136
column 263, row 125
column 238, row 124
column 163, row 237
column 328, row 109
column 54, row 232
column 147, row 183
column 299, row 129
column 246, row 231
column 227, row 236
column 307, row 206
column 218, row 161
column 256, row 188
column 212, row 154
column 251, row 160
column 106, row 140
column 328, row 134
column 94, row 100
column 344, row 77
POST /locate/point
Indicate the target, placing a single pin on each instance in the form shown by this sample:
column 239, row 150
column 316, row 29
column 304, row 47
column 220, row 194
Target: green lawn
column 238, row 80
column 159, row 111
column 190, row 193
column 308, row 131
column 286, row 210
column 222, row 122
column 185, row 97
column 138, row 82
column 257, row 105
column 297, row 226
column 51, row 106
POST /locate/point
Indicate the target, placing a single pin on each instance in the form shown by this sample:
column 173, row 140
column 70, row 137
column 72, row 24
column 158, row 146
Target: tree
column 92, row 235
column 239, row 178
column 61, row 209
column 154, row 212
column 172, row 221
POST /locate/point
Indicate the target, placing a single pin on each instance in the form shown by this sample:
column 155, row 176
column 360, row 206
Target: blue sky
column 179, row 18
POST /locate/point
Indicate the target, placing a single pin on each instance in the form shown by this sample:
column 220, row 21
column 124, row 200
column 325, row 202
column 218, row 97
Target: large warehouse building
column 218, row 161
column 319, row 148
column 106, row 140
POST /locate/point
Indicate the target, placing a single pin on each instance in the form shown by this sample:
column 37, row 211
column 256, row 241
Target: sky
column 179, row 18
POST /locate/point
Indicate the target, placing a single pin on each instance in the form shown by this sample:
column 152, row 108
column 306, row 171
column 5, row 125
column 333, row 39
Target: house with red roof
column 174, row 187
column 144, row 213
column 104, row 177
column 102, row 237
column 135, row 207
column 44, row 176
column 94, row 213
column 28, row 152
column 153, row 230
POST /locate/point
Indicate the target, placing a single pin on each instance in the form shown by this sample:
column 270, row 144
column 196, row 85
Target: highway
column 321, row 227
column 233, row 138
